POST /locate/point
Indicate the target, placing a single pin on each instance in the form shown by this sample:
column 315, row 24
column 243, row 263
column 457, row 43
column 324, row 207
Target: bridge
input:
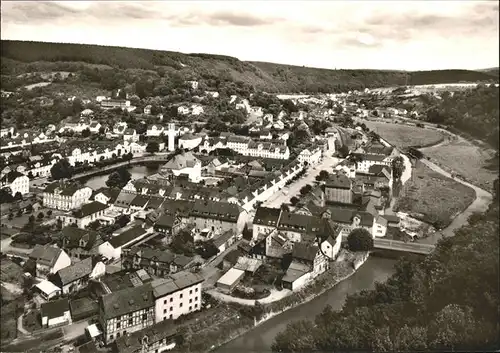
column 398, row 245
column 138, row 160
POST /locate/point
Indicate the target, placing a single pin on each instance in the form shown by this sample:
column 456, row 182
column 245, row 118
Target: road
column 412, row 247
column 279, row 198
column 6, row 247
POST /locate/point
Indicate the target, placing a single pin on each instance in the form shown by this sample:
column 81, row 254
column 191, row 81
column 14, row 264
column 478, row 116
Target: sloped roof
column 75, row 271
column 45, row 254
column 181, row 161
column 126, row 237
column 338, row 181
column 55, row 308
column 304, row 251
column 267, row 216
column 89, row 209
column 126, row 301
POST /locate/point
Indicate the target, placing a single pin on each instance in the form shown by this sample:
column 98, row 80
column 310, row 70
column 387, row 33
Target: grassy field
column 433, row 198
column 467, row 159
column 403, row 136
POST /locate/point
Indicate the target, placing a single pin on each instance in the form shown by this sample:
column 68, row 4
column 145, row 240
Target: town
column 232, row 213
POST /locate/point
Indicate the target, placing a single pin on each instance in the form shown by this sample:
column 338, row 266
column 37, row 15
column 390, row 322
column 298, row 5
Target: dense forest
column 447, row 302
column 473, row 111
column 20, row 57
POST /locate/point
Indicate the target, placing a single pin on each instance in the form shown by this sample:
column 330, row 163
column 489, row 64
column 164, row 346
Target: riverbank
column 341, row 271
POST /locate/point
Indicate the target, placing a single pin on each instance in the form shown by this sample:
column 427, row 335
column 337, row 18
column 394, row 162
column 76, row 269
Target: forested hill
column 20, row 57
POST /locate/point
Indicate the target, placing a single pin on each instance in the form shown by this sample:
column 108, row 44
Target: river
column 137, row 172
column 374, row 270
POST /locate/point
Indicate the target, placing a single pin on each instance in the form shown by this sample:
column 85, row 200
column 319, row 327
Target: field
column 466, row 159
column 403, row 136
column 433, row 198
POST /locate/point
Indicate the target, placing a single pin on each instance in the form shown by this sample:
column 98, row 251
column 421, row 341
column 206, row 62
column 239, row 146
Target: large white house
column 62, row 196
column 155, row 130
column 183, row 164
column 17, row 182
column 310, row 157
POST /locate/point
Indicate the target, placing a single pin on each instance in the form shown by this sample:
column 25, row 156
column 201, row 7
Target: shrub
column 360, row 240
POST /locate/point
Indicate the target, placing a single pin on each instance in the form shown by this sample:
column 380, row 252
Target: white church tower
column 171, row 137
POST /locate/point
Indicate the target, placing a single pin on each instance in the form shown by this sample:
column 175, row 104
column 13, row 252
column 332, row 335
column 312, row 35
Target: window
column 196, row 289
column 171, row 300
column 195, row 298
column 180, row 296
column 171, row 308
column 171, row 316
column 195, row 306
column 164, row 311
column 190, row 300
column 190, row 291
column 118, row 325
column 118, row 335
column 111, row 337
column 165, row 301
column 190, row 308
column 180, row 305
column 144, row 317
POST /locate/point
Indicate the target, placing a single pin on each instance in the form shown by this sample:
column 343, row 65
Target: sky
column 398, row 35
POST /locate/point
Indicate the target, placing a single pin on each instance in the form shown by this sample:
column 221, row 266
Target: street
column 328, row 163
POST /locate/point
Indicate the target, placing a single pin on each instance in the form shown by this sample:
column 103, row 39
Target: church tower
column 171, row 137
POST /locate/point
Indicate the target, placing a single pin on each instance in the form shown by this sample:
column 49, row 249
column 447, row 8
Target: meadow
column 432, row 197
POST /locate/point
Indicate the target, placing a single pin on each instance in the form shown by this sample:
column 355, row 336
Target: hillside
column 19, row 57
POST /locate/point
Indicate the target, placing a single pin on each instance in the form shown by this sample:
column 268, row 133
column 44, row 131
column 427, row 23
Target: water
column 260, row 339
column 137, row 172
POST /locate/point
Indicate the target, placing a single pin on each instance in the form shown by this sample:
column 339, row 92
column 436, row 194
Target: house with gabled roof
column 15, row 182
column 112, row 248
column 47, row 260
column 155, row 261
column 265, row 221
column 79, row 243
column 86, row 214
column 308, row 262
column 55, row 313
column 76, row 276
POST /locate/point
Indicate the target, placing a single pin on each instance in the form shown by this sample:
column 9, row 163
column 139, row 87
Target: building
column 338, row 189
column 157, row 338
column 76, row 276
column 225, row 240
column 365, row 161
column 189, row 141
column 308, row 263
column 330, row 245
column 48, row 260
column 217, row 217
column 156, row 262
column 310, row 157
column 155, row 130
column 55, row 313
column 47, row 290
column 265, row 221
column 130, row 135
column 64, row 196
column 171, row 133
column 79, row 243
column 87, row 214
column 147, row 109
column 126, row 311
column 106, row 196
column 183, row 164
column 230, row 280
column 115, row 103
column 7, row 132
column 168, row 224
column 178, row 295
column 16, row 182
column 112, row 249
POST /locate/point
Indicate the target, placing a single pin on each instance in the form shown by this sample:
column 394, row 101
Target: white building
column 87, row 214
column 55, row 313
column 183, row 164
column 61, row 196
column 310, row 157
column 6, row 131
column 189, row 141
column 17, row 182
column 130, row 135
column 155, row 130
column 178, row 295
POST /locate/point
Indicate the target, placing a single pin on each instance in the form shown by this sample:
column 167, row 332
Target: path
column 275, row 295
column 6, row 247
